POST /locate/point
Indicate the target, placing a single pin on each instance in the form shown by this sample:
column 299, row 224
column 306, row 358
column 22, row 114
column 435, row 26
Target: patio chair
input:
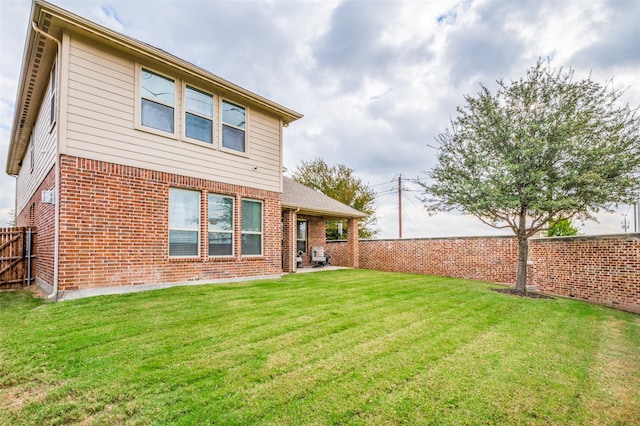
column 318, row 256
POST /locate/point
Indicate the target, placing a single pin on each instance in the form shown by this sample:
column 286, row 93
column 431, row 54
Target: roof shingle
column 314, row 203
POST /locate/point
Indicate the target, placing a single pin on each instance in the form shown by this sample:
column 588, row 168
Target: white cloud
column 107, row 16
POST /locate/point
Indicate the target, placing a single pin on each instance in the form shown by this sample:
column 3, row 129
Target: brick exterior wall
column 288, row 241
column 41, row 216
column 316, row 235
column 114, row 228
column 597, row 269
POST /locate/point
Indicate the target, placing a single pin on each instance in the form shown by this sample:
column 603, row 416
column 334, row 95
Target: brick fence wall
column 598, row 269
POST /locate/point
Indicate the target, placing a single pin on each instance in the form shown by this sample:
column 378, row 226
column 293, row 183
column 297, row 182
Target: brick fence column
column 353, row 253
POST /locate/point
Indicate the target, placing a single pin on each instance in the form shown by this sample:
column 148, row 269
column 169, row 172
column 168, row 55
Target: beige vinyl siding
column 101, row 126
column 44, row 145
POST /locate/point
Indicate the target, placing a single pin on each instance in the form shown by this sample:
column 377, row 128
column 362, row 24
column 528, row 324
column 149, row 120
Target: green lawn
column 335, row 347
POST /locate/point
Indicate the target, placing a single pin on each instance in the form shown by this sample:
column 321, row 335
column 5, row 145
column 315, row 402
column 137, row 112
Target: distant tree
column 12, row 221
column 541, row 147
column 561, row 228
column 340, row 183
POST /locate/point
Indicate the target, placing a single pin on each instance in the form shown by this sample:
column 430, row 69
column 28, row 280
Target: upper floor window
column 198, row 115
column 175, row 108
column 220, row 225
column 184, row 222
column 158, row 99
column 233, row 126
column 251, row 227
column 52, row 86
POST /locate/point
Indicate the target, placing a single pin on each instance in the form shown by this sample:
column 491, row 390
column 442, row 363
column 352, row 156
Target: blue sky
column 376, row 80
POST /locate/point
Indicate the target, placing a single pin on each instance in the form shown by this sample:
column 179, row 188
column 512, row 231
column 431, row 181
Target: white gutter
column 56, row 244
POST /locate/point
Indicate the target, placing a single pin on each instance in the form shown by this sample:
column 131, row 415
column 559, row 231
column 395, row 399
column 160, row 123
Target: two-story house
column 140, row 170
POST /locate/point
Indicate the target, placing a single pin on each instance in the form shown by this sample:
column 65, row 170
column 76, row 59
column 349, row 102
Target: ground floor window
column 184, row 222
column 251, row 227
column 301, row 236
column 185, row 227
column 220, row 225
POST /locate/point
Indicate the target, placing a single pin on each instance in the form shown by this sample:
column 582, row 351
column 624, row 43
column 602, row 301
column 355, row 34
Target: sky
column 376, row 80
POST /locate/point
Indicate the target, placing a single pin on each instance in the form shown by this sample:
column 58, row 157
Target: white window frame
column 198, row 227
column 306, row 235
column 244, row 153
column 187, row 111
column 231, row 231
column 140, row 97
column 261, row 233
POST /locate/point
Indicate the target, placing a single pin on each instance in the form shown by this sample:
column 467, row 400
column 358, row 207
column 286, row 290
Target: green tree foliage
column 561, row 228
column 541, row 147
column 340, row 183
column 12, row 222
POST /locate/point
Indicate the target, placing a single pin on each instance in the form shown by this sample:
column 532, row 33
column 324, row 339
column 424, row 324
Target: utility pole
column 625, row 224
column 400, row 206
column 636, row 215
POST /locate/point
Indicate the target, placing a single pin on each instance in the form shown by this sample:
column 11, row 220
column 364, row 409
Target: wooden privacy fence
column 17, row 251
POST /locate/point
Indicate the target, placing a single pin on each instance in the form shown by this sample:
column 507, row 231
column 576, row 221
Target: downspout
column 56, row 244
column 15, row 202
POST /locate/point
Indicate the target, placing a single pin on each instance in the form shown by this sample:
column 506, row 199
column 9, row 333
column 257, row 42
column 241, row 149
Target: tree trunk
column 523, row 254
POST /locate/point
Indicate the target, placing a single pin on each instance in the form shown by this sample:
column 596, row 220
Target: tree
column 340, row 183
column 541, row 147
column 12, row 221
column 561, row 227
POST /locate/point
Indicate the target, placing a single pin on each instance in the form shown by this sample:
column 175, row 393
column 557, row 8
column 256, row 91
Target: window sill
column 198, row 143
column 234, row 152
column 185, row 259
column 249, row 258
column 221, row 259
column 156, row 132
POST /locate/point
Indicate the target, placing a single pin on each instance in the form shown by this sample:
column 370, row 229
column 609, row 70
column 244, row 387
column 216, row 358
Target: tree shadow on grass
column 515, row 292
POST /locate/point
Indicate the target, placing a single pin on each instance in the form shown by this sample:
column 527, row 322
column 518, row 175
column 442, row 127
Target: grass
column 335, row 347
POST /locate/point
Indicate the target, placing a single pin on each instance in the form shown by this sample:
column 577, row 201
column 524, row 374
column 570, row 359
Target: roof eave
column 329, row 214
column 15, row 153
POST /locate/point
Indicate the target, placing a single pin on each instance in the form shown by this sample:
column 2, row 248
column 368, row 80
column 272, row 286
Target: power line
column 432, row 219
column 399, row 189
column 393, row 190
column 384, row 183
